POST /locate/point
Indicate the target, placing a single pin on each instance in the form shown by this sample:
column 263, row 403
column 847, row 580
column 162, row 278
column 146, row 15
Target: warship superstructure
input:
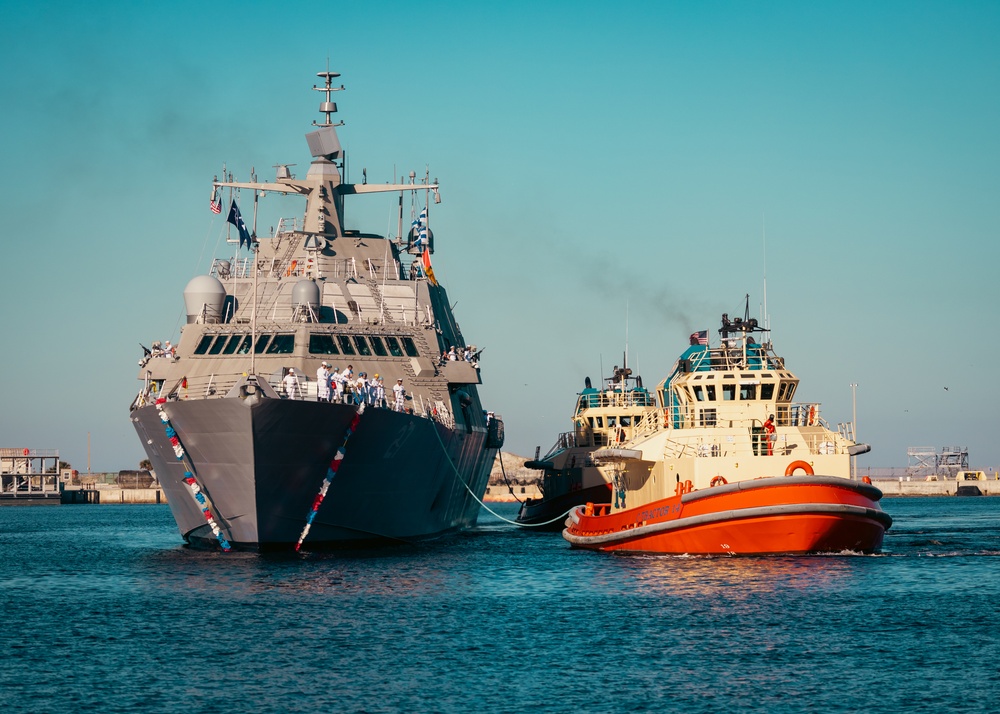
column 254, row 444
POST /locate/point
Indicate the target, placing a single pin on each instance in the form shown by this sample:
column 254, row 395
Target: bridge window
column 728, row 392
column 345, row 344
column 220, row 342
column 748, row 392
column 767, row 390
column 282, row 345
column 706, row 417
column 378, row 346
column 394, row 349
column 362, row 345
column 204, row 344
column 322, row 345
column 262, row 341
column 411, row 349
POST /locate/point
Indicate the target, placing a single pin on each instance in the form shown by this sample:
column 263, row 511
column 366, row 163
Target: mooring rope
column 194, row 488
column 506, row 480
column 479, row 501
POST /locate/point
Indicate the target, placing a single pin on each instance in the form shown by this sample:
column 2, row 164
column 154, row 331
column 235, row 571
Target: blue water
column 103, row 610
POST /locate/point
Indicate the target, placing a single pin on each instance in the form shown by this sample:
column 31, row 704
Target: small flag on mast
column 699, row 338
column 428, row 271
column 216, row 205
column 237, row 220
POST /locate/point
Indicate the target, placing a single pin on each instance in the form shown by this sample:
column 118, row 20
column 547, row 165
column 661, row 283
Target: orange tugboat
column 732, row 465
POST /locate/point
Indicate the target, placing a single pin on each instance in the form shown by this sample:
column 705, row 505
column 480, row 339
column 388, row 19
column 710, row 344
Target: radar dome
column 204, row 297
column 305, row 299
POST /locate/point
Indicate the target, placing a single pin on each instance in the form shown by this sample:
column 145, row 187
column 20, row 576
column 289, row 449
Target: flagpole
column 253, row 314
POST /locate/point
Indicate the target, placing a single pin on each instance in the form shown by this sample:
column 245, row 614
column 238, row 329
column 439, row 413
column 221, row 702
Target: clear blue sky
column 598, row 161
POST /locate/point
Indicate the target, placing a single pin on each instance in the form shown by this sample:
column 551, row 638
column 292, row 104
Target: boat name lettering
column 660, row 512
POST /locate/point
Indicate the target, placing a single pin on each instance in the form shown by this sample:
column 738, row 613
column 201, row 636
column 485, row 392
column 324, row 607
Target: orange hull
column 798, row 514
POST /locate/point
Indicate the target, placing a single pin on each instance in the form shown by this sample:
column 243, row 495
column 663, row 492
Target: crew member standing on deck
column 323, row 382
column 400, row 393
column 291, row 384
column 769, row 434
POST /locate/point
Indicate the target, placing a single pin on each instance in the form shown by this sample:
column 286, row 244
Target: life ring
column 718, row 481
column 804, row 465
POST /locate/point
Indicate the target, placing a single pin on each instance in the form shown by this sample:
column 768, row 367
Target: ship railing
column 701, row 415
column 218, row 386
column 738, row 443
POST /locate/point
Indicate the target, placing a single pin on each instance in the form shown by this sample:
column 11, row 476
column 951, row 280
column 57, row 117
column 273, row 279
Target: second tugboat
column 603, row 417
column 307, row 403
column 719, row 470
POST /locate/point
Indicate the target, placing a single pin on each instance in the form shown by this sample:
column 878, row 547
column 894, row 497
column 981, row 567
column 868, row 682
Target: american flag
column 699, row 338
column 215, row 205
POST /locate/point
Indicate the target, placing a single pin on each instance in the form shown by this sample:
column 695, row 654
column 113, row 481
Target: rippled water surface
column 104, row 610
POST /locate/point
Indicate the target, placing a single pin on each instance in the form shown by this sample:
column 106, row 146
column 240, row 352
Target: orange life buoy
column 812, row 415
column 718, row 481
column 866, row 479
column 799, row 465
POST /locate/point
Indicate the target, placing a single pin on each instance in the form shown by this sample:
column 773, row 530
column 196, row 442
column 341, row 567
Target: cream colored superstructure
column 713, row 409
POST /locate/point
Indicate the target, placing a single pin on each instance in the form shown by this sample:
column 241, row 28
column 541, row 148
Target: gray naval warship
column 258, row 432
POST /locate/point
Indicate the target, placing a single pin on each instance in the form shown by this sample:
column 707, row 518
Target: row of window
column 319, row 344
column 747, row 392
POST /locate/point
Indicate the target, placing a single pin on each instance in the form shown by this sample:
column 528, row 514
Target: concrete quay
column 110, row 494
column 903, row 487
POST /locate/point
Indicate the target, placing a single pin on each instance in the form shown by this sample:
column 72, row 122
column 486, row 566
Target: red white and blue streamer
column 331, row 473
column 192, row 483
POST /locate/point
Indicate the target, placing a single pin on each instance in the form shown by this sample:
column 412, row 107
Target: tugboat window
column 748, row 392
column 699, row 394
column 220, row 342
column 345, row 344
column 363, row 349
column 378, row 346
column 710, row 390
column 394, row 348
column 706, row 417
column 767, row 390
column 411, row 349
column 262, row 341
column 282, row 345
column 203, row 345
column 728, row 392
column 322, row 345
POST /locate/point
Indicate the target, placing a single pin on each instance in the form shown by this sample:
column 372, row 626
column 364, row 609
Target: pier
column 29, row 476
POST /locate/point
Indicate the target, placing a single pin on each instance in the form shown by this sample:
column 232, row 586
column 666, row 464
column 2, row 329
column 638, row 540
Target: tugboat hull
column 260, row 466
column 782, row 515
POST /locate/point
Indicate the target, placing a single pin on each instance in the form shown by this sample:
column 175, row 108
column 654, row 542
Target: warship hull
column 260, row 466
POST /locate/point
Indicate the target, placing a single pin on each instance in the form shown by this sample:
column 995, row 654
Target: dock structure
column 29, row 476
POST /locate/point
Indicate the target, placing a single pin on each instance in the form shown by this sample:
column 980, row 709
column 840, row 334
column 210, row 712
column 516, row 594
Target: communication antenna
column 763, row 234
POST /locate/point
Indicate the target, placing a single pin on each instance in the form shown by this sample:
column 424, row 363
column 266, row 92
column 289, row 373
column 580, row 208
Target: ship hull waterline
column 262, row 465
column 769, row 516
